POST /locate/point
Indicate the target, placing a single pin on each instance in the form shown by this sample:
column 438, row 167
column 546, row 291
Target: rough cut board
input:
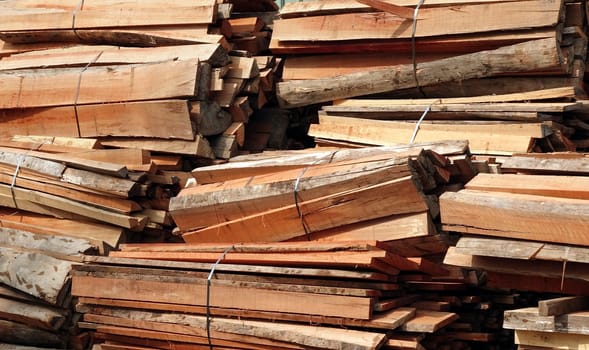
column 524, row 250
column 121, row 14
column 432, row 22
column 26, row 88
column 81, row 55
column 387, row 320
column 516, row 216
column 552, row 340
column 544, row 94
column 305, row 335
column 486, row 138
column 223, row 296
column 167, row 119
column 327, row 7
column 200, row 147
column 576, row 187
column 552, row 164
column 550, row 269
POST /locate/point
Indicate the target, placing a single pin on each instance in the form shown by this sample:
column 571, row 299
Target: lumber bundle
column 138, row 77
column 278, row 295
column 320, row 196
column 513, row 84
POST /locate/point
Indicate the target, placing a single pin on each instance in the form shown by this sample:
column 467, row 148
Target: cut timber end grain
column 520, row 57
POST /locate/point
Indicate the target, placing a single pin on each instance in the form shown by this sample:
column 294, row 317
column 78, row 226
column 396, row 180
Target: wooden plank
column 552, row 340
column 243, row 268
column 553, row 164
column 15, row 195
column 81, row 55
column 528, row 319
column 200, row 147
column 484, row 137
column 20, row 273
column 303, row 335
column 541, row 53
column 429, row 321
column 96, row 233
column 123, row 15
column 390, row 228
column 378, row 25
column 286, row 222
column 27, row 88
column 554, row 93
column 533, row 268
column 481, row 107
column 526, row 250
column 325, row 7
column 56, row 246
column 224, row 296
column 537, row 216
column 541, row 185
column 564, row 305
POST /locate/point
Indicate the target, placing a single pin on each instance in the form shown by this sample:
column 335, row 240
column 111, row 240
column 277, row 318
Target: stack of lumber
column 295, row 295
column 495, row 124
column 558, row 323
column 399, row 36
column 521, row 63
column 527, row 231
column 379, row 193
column 150, row 75
column 35, row 281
